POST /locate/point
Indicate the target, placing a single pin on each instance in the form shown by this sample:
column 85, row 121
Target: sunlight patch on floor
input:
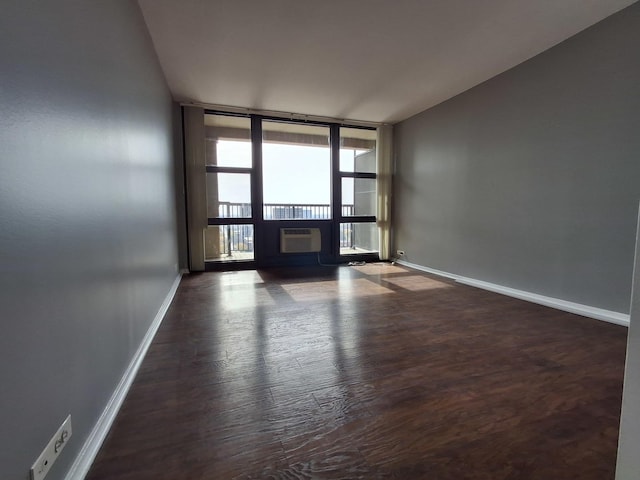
column 416, row 283
column 326, row 290
column 380, row 269
column 244, row 277
column 238, row 297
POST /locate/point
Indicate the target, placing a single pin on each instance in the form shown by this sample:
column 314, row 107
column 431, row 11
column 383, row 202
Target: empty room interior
column 319, row 240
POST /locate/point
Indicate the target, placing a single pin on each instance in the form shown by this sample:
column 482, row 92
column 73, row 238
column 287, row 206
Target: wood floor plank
column 371, row 372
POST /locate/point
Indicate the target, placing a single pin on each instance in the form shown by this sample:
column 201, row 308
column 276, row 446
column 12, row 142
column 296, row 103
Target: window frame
column 257, row 200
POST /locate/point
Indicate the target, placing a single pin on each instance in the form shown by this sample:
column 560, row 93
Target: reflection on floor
column 247, row 256
column 370, row 372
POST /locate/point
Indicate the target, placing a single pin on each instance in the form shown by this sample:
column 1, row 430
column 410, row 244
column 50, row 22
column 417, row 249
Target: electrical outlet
column 400, row 253
column 51, row 452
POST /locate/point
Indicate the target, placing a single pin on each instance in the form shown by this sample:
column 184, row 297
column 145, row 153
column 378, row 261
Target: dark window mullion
column 295, row 121
column 217, row 169
column 257, row 196
column 358, row 175
column 229, row 221
column 358, row 219
column 256, row 154
column 336, row 187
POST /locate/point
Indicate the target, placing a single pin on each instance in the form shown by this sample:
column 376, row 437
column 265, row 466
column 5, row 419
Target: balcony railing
column 239, row 238
column 281, row 211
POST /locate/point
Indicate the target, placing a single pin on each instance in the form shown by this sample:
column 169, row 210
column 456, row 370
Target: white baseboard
column 571, row 307
column 92, row 445
column 440, row 273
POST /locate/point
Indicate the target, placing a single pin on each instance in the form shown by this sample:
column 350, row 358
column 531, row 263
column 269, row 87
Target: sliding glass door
column 358, row 192
column 230, row 233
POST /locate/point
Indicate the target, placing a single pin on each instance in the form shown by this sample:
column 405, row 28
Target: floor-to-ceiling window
column 265, row 175
column 229, row 235
column 296, row 171
column 357, row 174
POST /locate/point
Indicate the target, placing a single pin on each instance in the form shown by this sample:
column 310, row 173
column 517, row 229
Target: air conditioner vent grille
column 297, row 231
column 300, row 240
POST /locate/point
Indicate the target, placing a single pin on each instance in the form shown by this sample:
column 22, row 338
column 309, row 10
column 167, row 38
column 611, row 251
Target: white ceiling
column 371, row 60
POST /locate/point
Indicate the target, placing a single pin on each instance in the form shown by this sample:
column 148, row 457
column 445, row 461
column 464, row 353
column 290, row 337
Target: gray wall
column 87, row 214
column 531, row 180
column 628, row 464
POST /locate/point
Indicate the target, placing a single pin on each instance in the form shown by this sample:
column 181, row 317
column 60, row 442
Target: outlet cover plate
column 52, row 451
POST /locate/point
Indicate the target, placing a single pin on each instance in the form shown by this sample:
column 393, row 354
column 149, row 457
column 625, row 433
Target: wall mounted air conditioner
column 300, row 240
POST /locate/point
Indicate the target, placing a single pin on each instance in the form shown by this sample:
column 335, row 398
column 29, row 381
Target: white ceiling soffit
column 370, row 60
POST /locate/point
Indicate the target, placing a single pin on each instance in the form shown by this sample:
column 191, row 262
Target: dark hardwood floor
column 372, row 372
